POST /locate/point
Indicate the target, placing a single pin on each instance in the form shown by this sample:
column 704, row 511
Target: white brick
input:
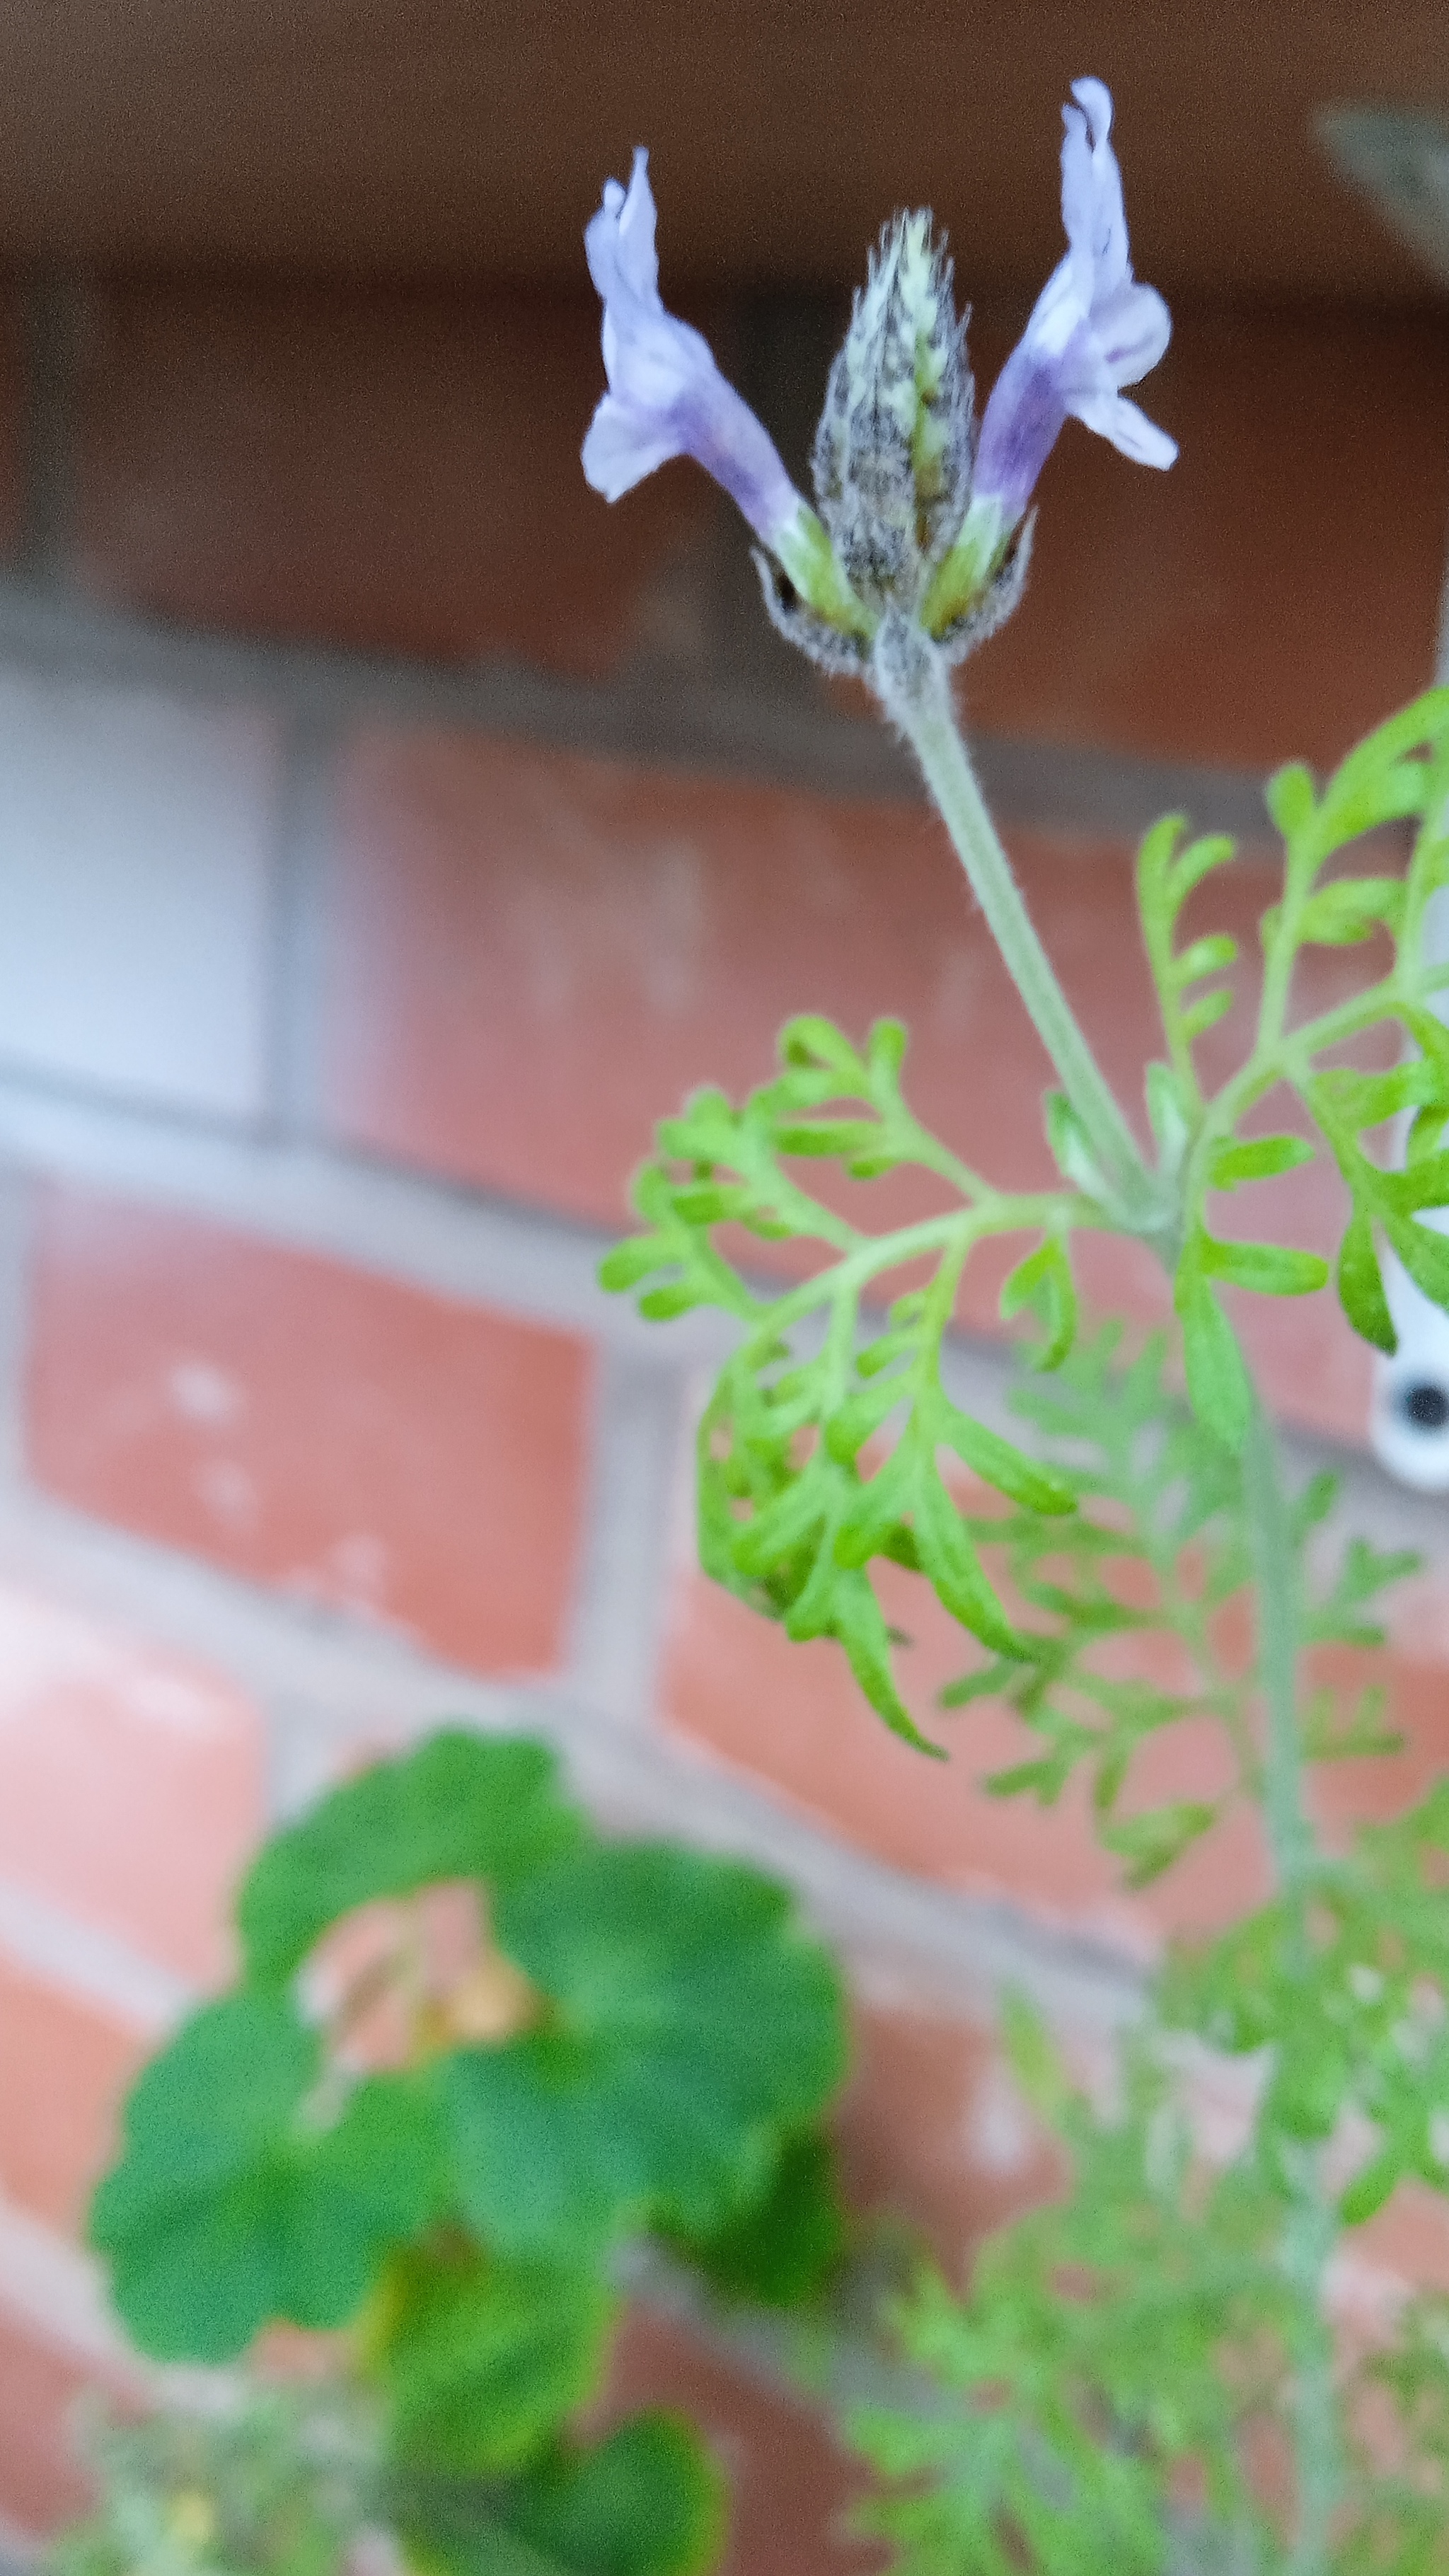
column 136, row 860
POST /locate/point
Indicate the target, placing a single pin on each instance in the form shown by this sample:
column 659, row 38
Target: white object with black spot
column 1409, row 1422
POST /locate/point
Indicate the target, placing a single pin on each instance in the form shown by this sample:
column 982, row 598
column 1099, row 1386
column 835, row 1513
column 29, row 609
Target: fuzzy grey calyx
column 998, row 601
column 845, row 656
column 894, row 450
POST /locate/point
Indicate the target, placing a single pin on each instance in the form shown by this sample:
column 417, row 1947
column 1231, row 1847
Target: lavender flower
column 667, row 398
column 911, row 521
column 1093, row 330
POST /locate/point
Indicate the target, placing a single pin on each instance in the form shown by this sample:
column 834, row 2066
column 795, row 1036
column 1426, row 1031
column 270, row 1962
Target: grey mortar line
column 651, row 713
column 295, row 982
column 427, row 1233
column 637, row 1424
column 85, row 1962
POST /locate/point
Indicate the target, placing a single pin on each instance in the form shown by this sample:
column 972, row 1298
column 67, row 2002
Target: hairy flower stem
column 914, row 687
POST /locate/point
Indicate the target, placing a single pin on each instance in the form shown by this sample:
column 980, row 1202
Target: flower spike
column 917, row 521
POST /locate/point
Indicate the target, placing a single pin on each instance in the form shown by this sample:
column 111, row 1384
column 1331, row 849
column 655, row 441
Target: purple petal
column 1128, row 429
column 1132, row 335
column 1094, row 215
column 1092, row 329
column 1092, row 208
column 666, row 395
column 652, row 360
column 638, row 258
column 621, row 447
column 719, row 430
column 1019, row 430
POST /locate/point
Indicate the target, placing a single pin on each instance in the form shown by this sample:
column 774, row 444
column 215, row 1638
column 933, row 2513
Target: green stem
column 874, row 1253
column 1275, row 1571
column 915, row 689
column 1308, row 2236
column 1308, row 2240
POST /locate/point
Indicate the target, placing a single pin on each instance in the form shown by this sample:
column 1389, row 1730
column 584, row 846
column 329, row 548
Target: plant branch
column 876, row 1253
column 915, row 690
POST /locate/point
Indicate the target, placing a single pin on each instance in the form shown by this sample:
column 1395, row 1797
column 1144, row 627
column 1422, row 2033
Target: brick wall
column 391, row 832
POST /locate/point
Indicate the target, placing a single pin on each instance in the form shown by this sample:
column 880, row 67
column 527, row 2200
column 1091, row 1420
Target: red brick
column 394, row 468
column 413, row 1460
column 535, row 956
column 373, row 467
column 1273, row 595
column 790, row 2485
column 932, row 2131
column 1408, row 2240
column 64, row 2068
column 131, row 1787
column 41, row 2481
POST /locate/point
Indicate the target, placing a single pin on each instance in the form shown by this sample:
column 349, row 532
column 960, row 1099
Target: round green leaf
column 240, row 2198
column 785, row 2246
column 649, row 2501
column 461, row 1806
column 693, row 2026
column 482, row 2360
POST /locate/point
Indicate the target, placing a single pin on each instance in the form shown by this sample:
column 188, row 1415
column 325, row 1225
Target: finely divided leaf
column 1217, row 1380
column 1362, row 1286
column 1273, row 1269
column 1260, row 1158
column 1043, row 1283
